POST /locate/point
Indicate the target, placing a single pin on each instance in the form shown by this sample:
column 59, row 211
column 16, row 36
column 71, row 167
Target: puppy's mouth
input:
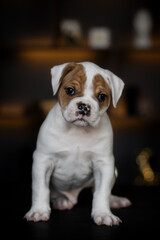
column 81, row 122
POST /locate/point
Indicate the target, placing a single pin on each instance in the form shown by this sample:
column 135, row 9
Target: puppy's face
column 83, row 100
column 85, row 91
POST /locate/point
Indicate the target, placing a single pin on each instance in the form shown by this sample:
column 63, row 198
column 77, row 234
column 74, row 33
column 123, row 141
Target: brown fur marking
column 73, row 76
column 100, row 86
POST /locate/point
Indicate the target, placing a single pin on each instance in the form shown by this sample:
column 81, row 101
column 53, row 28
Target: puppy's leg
column 60, row 201
column 41, row 172
column 119, row 202
column 104, row 177
column 116, row 201
column 65, row 200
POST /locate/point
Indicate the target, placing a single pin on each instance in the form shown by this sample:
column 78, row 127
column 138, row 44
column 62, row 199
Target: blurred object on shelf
column 99, row 38
column 146, row 174
column 142, row 24
column 71, row 32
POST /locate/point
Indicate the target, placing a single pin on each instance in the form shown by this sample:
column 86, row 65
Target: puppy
column 75, row 144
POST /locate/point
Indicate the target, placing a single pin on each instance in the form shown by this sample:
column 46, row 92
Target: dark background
column 30, row 44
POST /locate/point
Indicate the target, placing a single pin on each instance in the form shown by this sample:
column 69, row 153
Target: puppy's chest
column 73, row 168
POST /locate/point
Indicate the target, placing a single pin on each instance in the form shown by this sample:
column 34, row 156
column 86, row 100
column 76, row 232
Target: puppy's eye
column 101, row 97
column 70, row 91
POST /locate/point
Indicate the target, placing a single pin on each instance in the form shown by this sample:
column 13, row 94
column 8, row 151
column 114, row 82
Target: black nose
column 84, row 109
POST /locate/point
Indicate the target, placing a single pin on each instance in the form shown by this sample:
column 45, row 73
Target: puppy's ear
column 116, row 85
column 58, row 72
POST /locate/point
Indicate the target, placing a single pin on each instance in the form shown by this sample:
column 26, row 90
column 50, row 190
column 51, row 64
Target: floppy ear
column 56, row 74
column 116, row 85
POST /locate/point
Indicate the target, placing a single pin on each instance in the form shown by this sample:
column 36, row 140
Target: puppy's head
column 85, row 91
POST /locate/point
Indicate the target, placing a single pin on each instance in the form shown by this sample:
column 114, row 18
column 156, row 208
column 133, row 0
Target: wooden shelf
column 144, row 56
column 16, row 122
column 60, row 55
column 22, row 116
column 127, row 123
column 77, row 54
column 135, row 123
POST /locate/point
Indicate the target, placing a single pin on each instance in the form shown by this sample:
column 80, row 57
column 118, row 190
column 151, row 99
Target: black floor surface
column 140, row 221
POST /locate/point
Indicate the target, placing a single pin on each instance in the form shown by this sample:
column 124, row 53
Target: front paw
column 108, row 219
column 37, row 215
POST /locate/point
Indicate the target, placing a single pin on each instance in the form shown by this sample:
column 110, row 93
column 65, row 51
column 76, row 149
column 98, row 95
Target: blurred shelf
column 17, row 122
column 59, row 55
column 145, row 56
column 17, row 115
column 67, row 54
column 119, row 124
column 135, row 123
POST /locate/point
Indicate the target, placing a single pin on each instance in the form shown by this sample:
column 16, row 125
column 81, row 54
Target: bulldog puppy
column 75, row 144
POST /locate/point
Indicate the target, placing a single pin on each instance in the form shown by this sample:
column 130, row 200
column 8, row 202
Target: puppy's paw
column 119, row 202
column 107, row 219
column 37, row 215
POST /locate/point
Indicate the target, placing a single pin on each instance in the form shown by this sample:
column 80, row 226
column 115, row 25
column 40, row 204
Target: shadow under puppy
column 75, row 144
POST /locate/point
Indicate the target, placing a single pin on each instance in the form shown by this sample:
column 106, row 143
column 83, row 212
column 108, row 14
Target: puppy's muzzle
column 84, row 109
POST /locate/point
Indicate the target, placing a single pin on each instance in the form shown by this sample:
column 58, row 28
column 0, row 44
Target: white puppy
column 75, row 144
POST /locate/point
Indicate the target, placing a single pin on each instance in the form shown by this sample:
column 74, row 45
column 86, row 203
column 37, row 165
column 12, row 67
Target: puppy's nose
column 84, row 109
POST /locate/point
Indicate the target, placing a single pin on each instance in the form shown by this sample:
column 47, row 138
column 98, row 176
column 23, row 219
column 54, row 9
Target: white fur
column 75, row 154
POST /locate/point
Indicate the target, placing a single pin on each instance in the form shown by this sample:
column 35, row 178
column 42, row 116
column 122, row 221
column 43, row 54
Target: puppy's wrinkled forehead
column 91, row 70
column 74, row 73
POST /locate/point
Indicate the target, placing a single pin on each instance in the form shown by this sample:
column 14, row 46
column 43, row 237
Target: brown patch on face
column 101, row 87
column 74, row 77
